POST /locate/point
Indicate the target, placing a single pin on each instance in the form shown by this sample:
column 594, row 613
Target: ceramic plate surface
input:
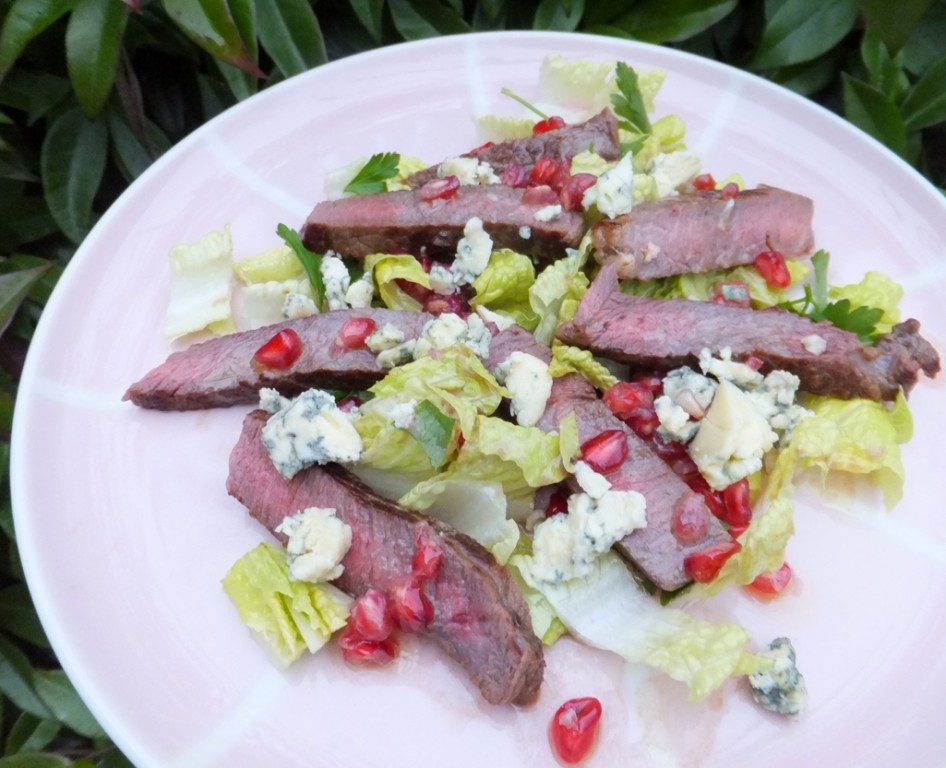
column 125, row 527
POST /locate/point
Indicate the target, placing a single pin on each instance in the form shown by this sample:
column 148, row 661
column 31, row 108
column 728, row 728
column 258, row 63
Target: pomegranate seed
column 540, row 195
column 412, row 609
column 735, row 531
column 737, row 510
column 733, row 292
column 416, row 291
column 675, row 454
column 349, row 403
column 689, row 522
column 730, row 191
column 643, row 421
column 371, row 617
column 543, row 171
column 481, row 147
column 703, row 566
column 713, row 499
column 771, row 265
column 439, row 189
column 563, row 172
column 428, row 556
column 573, row 190
column 625, row 397
column 425, row 263
column 753, row 362
column 558, row 505
column 354, row 331
column 770, row 583
column 605, row 451
column 366, row 653
column 653, row 381
column 455, row 303
column 514, row 175
column 281, row 351
column 549, row 124
column 574, row 729
column 704, row 182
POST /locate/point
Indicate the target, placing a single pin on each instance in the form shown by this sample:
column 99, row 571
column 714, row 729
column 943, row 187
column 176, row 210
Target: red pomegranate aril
column 573, row 190
column 704, row 181
column 713, row 499
column 439, row 189
column 514, row 175
column 355, row 331
column 735, row 531
column 540, row 195
column 689, row 522
column 481, row 147
column 730, row 191
column 455, row 303
column 371, row 618
column 605, row 451
column 412, row 609
column 563, row 172
column 281, row 351
column 753, row 362
column 643, row 421
column 733, row 293
column 367, row 653
column 737, row 508
column 573, row 731
column 557, row 505
column 349, row 403
column 428, row 557
column 416, row 291
column 543, row 171
column 625, row 397
column 549, row 124
column 653, row 381
column 704, row 566
column 771, row 265
column 675, row 454
column 770, row 583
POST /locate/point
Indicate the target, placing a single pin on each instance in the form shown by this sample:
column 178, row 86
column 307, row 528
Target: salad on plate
column 563, row 382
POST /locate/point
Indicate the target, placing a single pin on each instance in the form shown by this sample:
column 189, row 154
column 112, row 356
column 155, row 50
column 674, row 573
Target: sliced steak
column 481, row 619
column 600, row 134
column 653, row 549
column 403, row 222
column 667, row 333
column 220, row 371
column 701, row 231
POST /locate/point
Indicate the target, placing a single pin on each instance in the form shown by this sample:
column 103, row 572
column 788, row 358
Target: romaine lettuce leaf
column 386, row 268
column 504, row 287
column 288, row 616
column 567, row 359
column 557, row 291
column 201, row 286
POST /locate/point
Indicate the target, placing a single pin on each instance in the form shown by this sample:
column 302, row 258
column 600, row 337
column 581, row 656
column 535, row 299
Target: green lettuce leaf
column 504, row 287
column 288, row 616
column 567, row 359
column 875, row 290
column 386, row 268
column 557, row 291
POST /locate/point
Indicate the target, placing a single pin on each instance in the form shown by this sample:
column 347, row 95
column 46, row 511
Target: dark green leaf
column 418, row 19
column 665, row 21
column 886, row 73
column 26, row 219
column 925, row 46
column 369, row 13
column 925, row 103
column 212, row 26
column 873, row 112
column 559, row 15
column 290, row 33
column 93, row 40
column 602, row 14
column 370, row 179
column 18, row 616
column 72, row 163
column 311, row 262
column 801, row 30
column 628, row 103
column 433, row 429
column 12, row 165
column 131, row 156
column 809, row 77
column 35, row 760
column 24, row 21
column 893, row 22
column 63, row 701
column 17, row 681
column 31, row 734
column 860, row 320
column 819, row 290
column 14, row 287
column 35, row 93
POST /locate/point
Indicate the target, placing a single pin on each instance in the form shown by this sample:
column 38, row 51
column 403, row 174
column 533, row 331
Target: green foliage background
column 93, row 91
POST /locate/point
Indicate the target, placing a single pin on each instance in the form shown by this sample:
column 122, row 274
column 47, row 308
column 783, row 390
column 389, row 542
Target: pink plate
column 125, row 528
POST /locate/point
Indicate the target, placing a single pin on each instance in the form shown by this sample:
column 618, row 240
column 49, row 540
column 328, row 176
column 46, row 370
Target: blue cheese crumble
column 307, row 430
column 318, row 541
column 468, row 170
column 781, row 688
column 337, row 281
column 473, row 252
column 613, row 193
column 529, row 382
column 449, row 329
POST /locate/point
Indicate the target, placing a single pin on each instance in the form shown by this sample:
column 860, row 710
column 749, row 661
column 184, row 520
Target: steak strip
column 702, row 231
column 403, row 222
column 667, row 333
column 481, row 619
column 653, row 549
column 600, row 134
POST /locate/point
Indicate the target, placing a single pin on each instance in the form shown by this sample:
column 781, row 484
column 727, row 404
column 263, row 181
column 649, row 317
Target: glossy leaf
column 132, row 155
column 31, row 734
column 801, row 30
column 26, row 219
column 886, row 72
column 93, row 39
column 370, row 14
column 925, row 103
column 36, row 93
column 72, row 165
column 418, row 19
column 14, row 288
column 12, row 166
column 17, row 680
column 559, row 15
column 211, row 25
column 24, row 21
column 18, row 616
column 63, row 701
column 289, row 32
column 893, row 22
column 662, row 21
column 925, row 46
column 873, row 112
